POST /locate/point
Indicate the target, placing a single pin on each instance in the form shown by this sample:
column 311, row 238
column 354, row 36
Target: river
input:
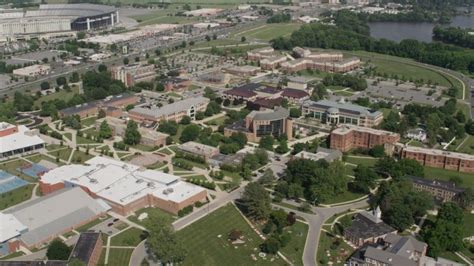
column 421, row 31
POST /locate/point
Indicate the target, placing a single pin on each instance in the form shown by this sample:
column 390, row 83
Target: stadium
column 50, row 18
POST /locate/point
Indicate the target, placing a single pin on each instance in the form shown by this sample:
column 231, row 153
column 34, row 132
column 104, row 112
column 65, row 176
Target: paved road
column 315, row 223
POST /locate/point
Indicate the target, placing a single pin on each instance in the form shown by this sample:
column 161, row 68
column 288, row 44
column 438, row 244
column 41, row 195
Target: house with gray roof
column 341, row 112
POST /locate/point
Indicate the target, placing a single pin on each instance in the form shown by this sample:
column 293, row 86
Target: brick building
column 132, row 74
column 92, row 108
column 263, row 123
column 123, row 186
column 442, row 191
column 439, row 159
column 347, row 137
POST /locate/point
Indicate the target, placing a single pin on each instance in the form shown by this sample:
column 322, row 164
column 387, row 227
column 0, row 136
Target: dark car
column 110, row 224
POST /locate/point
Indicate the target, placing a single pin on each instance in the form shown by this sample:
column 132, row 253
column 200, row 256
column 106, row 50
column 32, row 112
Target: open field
column 468, row 145
column 60, row 95
column 294, row 250
column 129, row 237
column 270, row 31
column 206, row 241
column 407, row 68
column 16, row 196
column 119, row 256
column 442, row 174
column 369, row 161
column 152, row 211
column 337, row 250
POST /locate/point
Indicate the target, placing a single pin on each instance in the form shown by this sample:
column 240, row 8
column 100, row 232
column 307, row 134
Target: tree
column 126, row 61
column 243, row 39
column 57, row 250
column 377, row 151
column 101, row 113
column 132, row 136
column 466, row 198
column 160, row 87
column 168, row 127
column 239, row 138
column 295, row 112
column 186, row 120
column 266, row 142
column 267, row 178
column 282, row 147
column 364, row 180
column 256, row 202
column 270, row 246
column 61, row 81
column 105, row 132
column 162, row 243
column 102, row 68
column 74, row 77
column 44, row 85
column 190, row 133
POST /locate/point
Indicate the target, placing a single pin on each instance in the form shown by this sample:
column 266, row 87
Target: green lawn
column 294, row 250
column 369, row 161
column 52, row 147
column 119, row 256
column 13, row 255
column 206, row 241
column 468, row 145
column 337, row 253
column 144, row 147
column 346, row 196
column 16, row 196
column 165, row 151
column 150, row 211
column 270, row 31
column 178, row 134
column 468, row 220
column 38, row 157
column 63, row 154
column 217, row 122
column 195, row 164
column 80, row 157
column 404, row 67
column 129, row 237
column 62, row 94
column 442, row 174
column 87, row 122
column 82, row 140
column 218, row 42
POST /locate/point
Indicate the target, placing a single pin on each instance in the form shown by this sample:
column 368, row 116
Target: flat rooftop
column 56, row 212
column 170, row 109
column 19, row 140
column 344, row 129
column 436, row 152
column 343, row 107
column 120, row 182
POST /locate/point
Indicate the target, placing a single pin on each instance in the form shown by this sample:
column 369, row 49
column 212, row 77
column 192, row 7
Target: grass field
column 150, row 210
column 206, row 241
column 337, row 253
column 294, row 250
column 119, row 256
column 16, row 196
column 468, row 220
column 442, row 174
column 393, row 65
column 129, row 237
column 363, row 161
column 468, row 145
column 63, row 154
column 346, row 196
column 270, row 31
column 60, row 95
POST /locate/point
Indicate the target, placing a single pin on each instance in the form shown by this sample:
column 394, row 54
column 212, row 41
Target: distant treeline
column 333, row 37
column 456, row 36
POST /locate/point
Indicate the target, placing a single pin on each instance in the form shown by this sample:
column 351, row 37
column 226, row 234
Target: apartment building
column 132, row 74
column 335, row 113
column 440, row 159
column 347, row 137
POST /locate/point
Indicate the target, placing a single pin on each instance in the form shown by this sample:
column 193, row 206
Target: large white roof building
column 124, row 186
column 18, row 140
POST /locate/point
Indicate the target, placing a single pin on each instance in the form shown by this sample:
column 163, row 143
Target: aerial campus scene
column 236, row 132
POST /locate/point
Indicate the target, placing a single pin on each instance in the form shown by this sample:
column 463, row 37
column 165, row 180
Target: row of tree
column 452, row 35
